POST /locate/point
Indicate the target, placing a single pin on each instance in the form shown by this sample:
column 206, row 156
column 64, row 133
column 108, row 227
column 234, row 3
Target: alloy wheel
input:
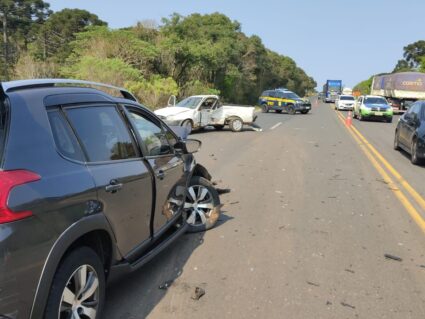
column 199, row 205
column 80, row 297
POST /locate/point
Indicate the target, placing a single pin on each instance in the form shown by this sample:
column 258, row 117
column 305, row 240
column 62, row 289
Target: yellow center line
column 370, row 151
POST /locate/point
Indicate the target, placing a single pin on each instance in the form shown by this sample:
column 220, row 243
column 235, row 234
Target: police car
column 283, row 100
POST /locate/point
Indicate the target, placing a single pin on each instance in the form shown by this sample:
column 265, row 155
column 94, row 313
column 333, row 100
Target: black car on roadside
column 410, row 132
column 91, row 186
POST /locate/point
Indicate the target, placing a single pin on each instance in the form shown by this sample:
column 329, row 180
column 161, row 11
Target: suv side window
column 65, row 140
column 272, row 94
column 156, row 140
column 280, row 95
column 102, row 133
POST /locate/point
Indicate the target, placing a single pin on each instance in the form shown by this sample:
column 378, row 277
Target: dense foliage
column 198, row 54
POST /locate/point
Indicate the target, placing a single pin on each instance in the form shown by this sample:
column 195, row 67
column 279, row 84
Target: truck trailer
column 331, row 90
column 400, row 89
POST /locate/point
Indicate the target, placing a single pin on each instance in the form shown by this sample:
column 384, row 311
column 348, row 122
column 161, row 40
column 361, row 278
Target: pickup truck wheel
column 78, row 288
column 264, row 108
column 236, row 124
column 202, row 205
column 304, row 112
column 188, row 124
column 278, row 111
column 291, row 110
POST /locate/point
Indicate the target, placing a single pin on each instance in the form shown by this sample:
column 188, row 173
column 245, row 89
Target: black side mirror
column 189, row 146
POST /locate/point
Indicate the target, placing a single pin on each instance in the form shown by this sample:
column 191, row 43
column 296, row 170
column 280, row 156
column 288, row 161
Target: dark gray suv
column 91, row 185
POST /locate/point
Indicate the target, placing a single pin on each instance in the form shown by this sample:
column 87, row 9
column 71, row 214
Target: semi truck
column 400, row 89
column 331, row 90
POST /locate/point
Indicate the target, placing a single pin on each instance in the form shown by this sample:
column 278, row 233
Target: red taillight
column 9, row 180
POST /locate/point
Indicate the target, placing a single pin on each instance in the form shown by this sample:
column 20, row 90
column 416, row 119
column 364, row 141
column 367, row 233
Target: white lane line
column 276, row 126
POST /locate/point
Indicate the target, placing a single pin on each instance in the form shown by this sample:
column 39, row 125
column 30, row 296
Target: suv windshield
column 375, row 100
column 190, row 102
column 347, row 98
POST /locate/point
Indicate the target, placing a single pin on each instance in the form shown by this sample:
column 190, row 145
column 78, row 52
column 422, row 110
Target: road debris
column 328, row 303
column 198, row 293
column 313, row 284
column 166, row 285
column 347, row 305
column 349, row 270
column 392, row 257
column 234, row 203
column 222, row 191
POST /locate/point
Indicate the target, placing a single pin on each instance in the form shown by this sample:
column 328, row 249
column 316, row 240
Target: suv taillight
column 9, row 180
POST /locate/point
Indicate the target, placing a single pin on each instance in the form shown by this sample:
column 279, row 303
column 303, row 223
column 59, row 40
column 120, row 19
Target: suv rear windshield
column 3, row 126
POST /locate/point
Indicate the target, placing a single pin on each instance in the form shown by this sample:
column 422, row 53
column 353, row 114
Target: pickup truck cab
column 199, row 111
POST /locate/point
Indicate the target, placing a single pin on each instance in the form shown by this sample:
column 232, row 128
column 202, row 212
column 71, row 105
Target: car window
column 423, row 111
column 375, row 100
column 102, row 133
column 272, row 94
column 65, row 140
column 415, row 108
column 156, row 140
column 208, row 104
column 279, row 95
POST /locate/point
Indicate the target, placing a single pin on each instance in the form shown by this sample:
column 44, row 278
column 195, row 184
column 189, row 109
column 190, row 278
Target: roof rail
column 39, row 83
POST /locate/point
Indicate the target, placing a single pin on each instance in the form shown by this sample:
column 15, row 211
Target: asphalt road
column 303, row 232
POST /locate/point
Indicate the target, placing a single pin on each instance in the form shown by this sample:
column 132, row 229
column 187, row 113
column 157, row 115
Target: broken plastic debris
column 198, row 293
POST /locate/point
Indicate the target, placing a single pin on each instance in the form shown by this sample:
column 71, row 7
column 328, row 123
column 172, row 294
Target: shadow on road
column 134, row 296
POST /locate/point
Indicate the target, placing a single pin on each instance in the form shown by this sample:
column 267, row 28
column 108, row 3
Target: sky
column 347, row 40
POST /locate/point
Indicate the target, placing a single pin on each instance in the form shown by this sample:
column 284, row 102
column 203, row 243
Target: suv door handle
column 113, row 187
column 160, row 174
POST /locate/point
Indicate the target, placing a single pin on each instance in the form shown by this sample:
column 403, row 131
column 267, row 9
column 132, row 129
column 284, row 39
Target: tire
column 414, row 153
column 291, row 110
column 202, row 192
column 278, row 111
column 218, row 127
column 264, row 108
column 360, row 116
column 354, row 115
column 75, row 263
column 236, row 124
column 304, row 112
column 188, row 124
column 389, row 120
column 396, row 142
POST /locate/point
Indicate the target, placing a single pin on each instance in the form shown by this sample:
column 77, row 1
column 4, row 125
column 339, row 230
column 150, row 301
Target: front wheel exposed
column 78, row 288
column 264, row 108
column 304, row 112
column 202, row 205
column 188, row 125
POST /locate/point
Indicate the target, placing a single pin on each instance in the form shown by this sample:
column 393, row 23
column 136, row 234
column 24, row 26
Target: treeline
column 413, row 61
column 197, row 54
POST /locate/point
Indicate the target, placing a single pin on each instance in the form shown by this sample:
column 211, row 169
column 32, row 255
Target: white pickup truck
column 199, row 111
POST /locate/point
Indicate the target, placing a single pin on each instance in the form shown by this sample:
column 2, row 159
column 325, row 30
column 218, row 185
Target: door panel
column 167, row 167
column 123, row 180
column 128, row 207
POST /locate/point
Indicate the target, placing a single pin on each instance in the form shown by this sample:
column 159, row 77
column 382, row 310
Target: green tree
column 54, row 36
column 365, row 86
column 17, row 20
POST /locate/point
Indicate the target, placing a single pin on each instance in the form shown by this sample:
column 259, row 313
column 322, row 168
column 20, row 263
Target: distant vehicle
column 371, row 107
column 331, row 90
column 410, row 132
column 282, row 100
column 345, row 102
column 199, row 111
column 400, row 89
column 347, row 91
